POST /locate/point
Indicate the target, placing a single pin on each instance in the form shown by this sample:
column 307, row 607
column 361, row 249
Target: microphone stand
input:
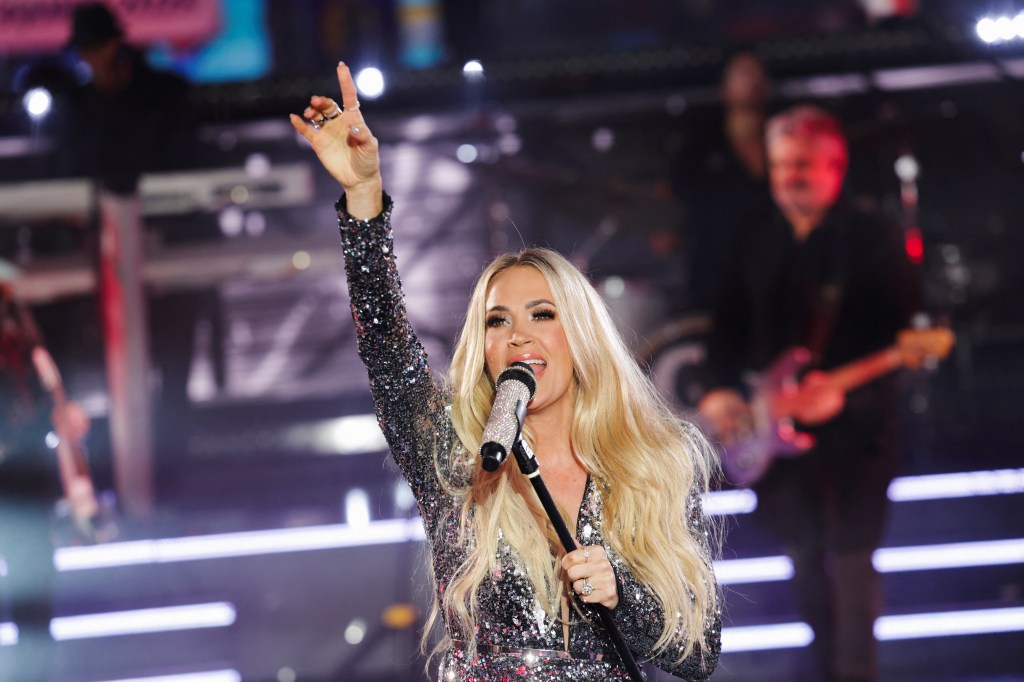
column 531, row 469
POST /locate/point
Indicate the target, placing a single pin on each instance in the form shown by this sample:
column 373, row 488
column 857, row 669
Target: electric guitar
column 772, row 432
column 76, row 481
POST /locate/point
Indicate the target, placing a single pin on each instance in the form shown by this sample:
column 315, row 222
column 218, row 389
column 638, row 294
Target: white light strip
column 950, row 623
column 920, row 77
column 954, row 555
column 759, row 570
column 886, row 560
column 964, row 484
column 729, row 502
column 887, row 628
column 765, row 637
column 237, row 544
column 215, row 615
column 210, row 676
column 8, row 634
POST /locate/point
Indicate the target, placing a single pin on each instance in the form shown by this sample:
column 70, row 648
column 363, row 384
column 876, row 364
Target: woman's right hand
column 345, row 146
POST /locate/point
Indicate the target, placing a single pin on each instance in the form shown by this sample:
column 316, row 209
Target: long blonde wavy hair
column 644, row 459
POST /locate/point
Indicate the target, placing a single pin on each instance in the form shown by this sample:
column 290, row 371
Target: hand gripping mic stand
column 531, row 469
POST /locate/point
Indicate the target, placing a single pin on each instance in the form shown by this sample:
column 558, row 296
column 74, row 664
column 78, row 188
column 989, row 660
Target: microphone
column 515, row 387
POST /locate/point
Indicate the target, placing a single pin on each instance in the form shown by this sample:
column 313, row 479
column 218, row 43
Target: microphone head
column 521, row 372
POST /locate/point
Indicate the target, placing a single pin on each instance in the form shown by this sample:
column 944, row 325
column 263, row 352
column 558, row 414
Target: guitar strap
column 828, row 299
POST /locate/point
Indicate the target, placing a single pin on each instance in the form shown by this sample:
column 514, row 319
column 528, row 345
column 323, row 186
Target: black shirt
column 844, row 292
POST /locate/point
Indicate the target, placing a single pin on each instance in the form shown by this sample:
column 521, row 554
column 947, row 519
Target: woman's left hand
column 591, row 576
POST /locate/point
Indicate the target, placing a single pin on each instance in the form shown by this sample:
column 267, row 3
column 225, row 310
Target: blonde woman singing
column 625, row 473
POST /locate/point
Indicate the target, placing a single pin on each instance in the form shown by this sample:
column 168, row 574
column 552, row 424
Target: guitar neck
column 859, row 372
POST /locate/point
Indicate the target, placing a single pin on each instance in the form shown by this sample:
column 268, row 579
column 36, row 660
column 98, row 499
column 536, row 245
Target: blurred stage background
column 281, row 546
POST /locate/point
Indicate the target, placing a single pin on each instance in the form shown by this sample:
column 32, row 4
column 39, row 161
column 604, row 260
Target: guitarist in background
column 28, row 489
column 819, row 274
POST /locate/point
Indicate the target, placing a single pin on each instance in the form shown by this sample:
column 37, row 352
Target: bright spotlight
column 466, row 153
column 356, row 631
column 1005, row 28
column 987, row 30
column 473, row 70
column 907, row 168
column 1018, row 25
column 37, row 102
column 370, row 82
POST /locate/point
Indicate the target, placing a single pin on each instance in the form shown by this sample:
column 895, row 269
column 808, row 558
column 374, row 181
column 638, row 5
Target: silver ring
column 586, row 555
column 588, row 589
column 334, row 114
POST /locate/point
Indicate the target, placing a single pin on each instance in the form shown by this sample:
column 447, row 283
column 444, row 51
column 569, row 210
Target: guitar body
column 772, row 434
column 749, row 458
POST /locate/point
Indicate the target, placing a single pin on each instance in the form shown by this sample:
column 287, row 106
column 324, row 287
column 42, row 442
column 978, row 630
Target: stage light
column 405, row 501
column 370, row 82
column 473, row 70
column 37, row 103
column 355, row 632
column 231, row 221
column 509, row 144
column 950, row 623
column 887, row 628
column 758, row 570
column 766, row 637
column 913, row 244
column 228, row 545
column 1000, row 29
column 195, row 616
column 357, row 508
column 466, row 153
column 350, row 435
column 208, row 676
column 255, row 223
column 8, row 634
column 301, row 260
column 963, row 484
column 986, row 29
column 257, row 165
column 907, row 168
column 953, row 555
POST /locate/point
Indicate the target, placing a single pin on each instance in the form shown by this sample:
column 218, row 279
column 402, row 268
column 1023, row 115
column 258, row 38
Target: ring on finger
column 588, row 589
column 334, row 114
column 586, row 555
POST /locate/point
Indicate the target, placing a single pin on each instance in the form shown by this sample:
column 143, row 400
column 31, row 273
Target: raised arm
column 409, row 405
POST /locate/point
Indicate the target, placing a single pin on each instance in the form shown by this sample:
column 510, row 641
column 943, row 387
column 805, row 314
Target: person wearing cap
column 138, row 119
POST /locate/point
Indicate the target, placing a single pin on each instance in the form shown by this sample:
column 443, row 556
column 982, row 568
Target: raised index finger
column 349, row 95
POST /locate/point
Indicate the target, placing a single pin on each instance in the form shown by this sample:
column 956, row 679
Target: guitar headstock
column 917, row 346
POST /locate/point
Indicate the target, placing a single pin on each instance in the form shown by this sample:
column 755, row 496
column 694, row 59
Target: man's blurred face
column 806, row 172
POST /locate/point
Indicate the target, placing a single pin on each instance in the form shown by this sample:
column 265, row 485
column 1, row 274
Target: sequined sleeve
column 640, row 615
column 410, row 406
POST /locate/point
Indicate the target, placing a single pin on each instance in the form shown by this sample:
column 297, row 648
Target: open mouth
column 536, row 364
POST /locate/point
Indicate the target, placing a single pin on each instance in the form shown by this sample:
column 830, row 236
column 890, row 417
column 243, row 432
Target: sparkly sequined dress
column 518, row 639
